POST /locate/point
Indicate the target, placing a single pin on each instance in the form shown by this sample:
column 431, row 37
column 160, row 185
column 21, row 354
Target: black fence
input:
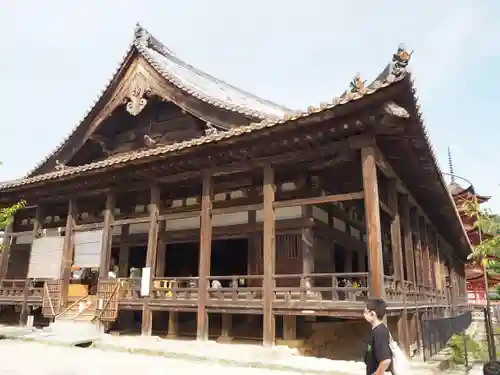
column 436, row 331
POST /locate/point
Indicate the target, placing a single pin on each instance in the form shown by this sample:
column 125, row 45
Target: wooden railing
column 322, row 287
column 175, row 288
column 16, row 288
column 234, row 288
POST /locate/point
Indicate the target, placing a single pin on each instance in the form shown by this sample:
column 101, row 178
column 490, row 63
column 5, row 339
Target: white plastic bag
column 400, row 364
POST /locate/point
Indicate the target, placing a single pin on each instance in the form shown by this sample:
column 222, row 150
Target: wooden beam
column 153, row 209
column 107, row 235
column 205, row 256
column 372, row 214
column 67, row 255
column 269, row 251
column 37, row 226
column 162, row 250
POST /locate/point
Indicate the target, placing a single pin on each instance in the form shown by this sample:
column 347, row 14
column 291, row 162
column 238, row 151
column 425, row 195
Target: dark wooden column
column 107, row 235
column 37, row 226
column 397, row 260
column 426, row 258
column 162, row 250
column 124, row 255
column 153, row 210
column 408, row 240
column 269, row 256
column 307, row 241
column 373, row 227
column 5, row 253
column 396, row 243
column 67, row 256
column 205, row 256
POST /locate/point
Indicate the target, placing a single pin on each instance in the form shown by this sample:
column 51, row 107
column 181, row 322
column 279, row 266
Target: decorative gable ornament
column 136, row 100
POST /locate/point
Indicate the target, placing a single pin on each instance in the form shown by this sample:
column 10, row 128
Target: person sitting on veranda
column 491, row 368
column 216, row 284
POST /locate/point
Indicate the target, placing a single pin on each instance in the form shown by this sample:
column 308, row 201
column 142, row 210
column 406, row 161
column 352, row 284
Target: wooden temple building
column 180, row 197
column 474, row 272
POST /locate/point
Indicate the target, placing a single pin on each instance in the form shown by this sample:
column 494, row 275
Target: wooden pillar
column 225, row 334
column 173, row 324
column 8, row 241
column 162, row 250
column 307, row 241
column 289, row 327
column 269, row 256
column 426, row 259
column 107, row 235
column 153, row 210
column 124, row 255
column 373, row 226
column 37, row 226
column 361, row 260
column 67, row 255
column 397, row 261
column 205, row 256
column 348, row 260
column 408, row 240
column 396, row 243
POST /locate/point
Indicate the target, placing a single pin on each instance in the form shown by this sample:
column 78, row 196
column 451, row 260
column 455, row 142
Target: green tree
column 488, row 224
column 7, row 213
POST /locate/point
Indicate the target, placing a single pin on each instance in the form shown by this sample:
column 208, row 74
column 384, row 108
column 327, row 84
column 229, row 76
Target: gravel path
column 23, row 358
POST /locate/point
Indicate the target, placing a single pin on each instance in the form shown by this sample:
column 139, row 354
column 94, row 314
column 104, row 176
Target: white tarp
column 88, row 249
column 46, row 258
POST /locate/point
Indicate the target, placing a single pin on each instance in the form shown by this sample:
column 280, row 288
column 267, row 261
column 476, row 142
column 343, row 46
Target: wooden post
column 408, row 240
column 5, row 253
column 289, row 327
column 269, row 256
column 397, row 256
column 37, row 226
column 162, row 250
column 154, row 210
column 123, row 256
column 426, row 253
column 225, row 334
column 67, row 256
column 307, row 242
column 397, row 250
column 173, row 324
column 205, row 256
column 107, row 235
column 373, row 228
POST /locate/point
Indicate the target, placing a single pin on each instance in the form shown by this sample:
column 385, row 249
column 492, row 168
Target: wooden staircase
column 85, row 309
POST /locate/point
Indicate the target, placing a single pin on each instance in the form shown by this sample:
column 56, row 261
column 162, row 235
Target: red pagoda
column 474, row 272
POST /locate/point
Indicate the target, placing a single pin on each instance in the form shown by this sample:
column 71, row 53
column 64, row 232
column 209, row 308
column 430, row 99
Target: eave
column 147, row 47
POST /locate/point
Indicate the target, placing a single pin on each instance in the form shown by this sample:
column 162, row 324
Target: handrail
column 73, row 304
column 50, row 299
column 117, row 286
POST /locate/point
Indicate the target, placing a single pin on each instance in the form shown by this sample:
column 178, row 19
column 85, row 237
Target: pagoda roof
column 185, row 77
column 457, row 190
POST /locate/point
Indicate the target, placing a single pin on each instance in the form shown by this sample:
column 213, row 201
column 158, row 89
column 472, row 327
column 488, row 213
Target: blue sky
column 57, row 56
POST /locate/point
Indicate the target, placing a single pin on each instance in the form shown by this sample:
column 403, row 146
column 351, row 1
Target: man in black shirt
column 378, row 354
column 491, row 368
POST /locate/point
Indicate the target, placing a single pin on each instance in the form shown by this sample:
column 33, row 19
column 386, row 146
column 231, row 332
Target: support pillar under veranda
column 153, row 209
column 373, row 226
column 268, row 247
column 205, row 255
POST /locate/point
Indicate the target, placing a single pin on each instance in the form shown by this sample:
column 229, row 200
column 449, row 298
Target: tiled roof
column 193, row 81
column 353, row 94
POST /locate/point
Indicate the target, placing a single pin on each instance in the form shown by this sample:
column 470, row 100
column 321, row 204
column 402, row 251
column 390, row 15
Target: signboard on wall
column 46, row 257
column 88, row 247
